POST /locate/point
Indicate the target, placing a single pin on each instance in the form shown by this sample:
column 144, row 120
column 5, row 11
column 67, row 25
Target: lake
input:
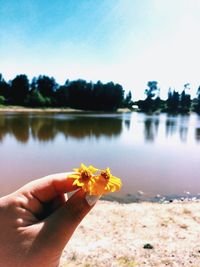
column 153, row 155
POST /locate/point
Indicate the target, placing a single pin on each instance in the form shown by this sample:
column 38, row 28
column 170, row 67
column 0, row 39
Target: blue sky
column 127, row 41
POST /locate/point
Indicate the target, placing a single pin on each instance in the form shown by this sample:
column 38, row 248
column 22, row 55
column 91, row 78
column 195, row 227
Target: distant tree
column 118, row 96
column 197, row 101
column 186, row 86
column 173, row 101
column 113, row 96
column 4, row 87
column 185, row 102
column 19, row 89
column 99, row 96
column 33, row 85
column 62, row 96
column 152, row 89
column 108, row 96
column 44, row 91
column 46, row 86
column 158, row 104
column 198, row 93
column 78, row 94
column 35, row 99
column 149, row 104
column 2, row 100
column 128, row 102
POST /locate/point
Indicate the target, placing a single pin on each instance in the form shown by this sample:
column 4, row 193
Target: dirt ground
column 137, row 234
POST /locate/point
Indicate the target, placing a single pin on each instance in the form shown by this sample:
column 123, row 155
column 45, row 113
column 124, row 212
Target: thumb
column 64, row 221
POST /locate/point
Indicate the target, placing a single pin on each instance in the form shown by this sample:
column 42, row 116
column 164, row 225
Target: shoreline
column 136, row 235
column 139, row 198
column 55, row 110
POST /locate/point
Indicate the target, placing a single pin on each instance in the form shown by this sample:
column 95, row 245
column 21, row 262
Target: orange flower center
column 105, row 175
column 85, row 175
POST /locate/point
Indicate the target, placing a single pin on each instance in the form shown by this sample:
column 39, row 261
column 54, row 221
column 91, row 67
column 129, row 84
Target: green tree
column 46, row 86
column 35, row 99
column 185, row 102
column 2, row 100
column 62, row 96
column 173, row 101
column 4, row 87
column 152, row 92
column 197, row 102
column 128, row 102
column 19, row 89
column 108, row 96
column 78, row 94
column 152, row 89
column 33, row 85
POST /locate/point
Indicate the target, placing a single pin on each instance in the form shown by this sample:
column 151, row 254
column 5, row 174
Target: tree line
column 176, row 102
column 44, row 91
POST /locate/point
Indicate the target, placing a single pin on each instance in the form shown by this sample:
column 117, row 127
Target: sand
column 19, row 109
column 114, row 234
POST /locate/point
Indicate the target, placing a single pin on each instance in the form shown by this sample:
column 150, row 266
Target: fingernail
column 91, row 199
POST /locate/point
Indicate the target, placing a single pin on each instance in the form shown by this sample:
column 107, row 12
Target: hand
column 36, row 221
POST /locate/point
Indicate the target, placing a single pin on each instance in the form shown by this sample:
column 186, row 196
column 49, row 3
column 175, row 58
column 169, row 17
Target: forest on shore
column 44, row 91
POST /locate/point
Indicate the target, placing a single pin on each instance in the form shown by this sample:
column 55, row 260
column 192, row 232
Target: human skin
column 37, row 221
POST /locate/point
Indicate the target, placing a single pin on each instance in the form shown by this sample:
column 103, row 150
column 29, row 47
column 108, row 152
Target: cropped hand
column 37, row 221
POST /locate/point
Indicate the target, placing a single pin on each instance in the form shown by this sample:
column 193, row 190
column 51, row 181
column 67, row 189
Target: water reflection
column 178, row 125
column 155, row 154
column 183, row 128
column 197, row 134
column 184, row 125
column 171, row 126
column 151, row 129
column 183, row 133
column 46, row 128
column 127, row 123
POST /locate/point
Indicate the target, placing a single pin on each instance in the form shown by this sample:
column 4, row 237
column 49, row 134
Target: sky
column 129, row 42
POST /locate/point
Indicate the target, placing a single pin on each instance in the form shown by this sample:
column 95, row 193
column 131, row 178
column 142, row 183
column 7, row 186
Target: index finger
column 48, row 187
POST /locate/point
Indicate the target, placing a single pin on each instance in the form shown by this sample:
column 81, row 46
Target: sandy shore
column 114, row 234
column 25, row 109
column 56, row 110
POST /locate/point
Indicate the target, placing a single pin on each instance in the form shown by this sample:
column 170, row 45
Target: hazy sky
column 127, row 41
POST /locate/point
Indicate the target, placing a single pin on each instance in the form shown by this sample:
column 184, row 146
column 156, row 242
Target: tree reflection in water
column 183, row 129
column 197, row 134
column 171, row 126
column 155, row 154
column 151, row 129
column 46, row 128
column 176, row 124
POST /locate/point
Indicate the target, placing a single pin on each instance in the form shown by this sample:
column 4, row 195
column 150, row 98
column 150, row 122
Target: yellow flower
column 84, row 177
column 92, row 184
column 105, row 183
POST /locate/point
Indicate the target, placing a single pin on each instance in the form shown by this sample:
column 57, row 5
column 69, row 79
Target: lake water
column 157, row 154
